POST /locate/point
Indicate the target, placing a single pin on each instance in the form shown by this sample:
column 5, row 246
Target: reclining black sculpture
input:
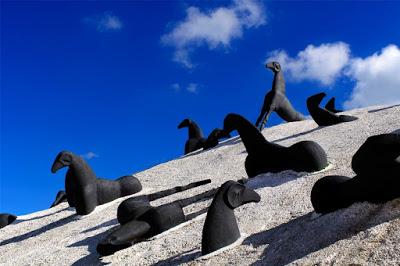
column 147, row 221
column 6, row 219
column 127, row 209
column 377, row 165
column 330, row 106
column 263, row 156
column 84, row 190
column 322, row 116
column 214, row 137
column 60, row 197
column 276, row 100
column 220, row 228
column 196, row 138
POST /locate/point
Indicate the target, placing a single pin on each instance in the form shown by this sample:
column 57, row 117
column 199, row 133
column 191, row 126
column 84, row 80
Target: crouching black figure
column 196, row 138
column 377, row 165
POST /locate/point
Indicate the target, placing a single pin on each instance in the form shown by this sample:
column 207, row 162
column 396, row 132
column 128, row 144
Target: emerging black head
column 185, row 123
column 63, row 159
column 230, row 123
column 274, row 66
column 317, row 98
column 237, row 194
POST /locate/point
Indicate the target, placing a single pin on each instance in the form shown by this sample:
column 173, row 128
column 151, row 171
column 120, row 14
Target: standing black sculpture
column 330, row 106
column 60, row 197
column 84, row 190
column 6, row 219
column 147, row 221
column 214, row 137
column 377, row 165
column 220, row 228
column 263, row 156
column 196, row 138
column 276, row 100
column 322, row 116
column 127, row 210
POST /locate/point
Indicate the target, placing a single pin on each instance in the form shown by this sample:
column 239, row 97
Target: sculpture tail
column 167, row 192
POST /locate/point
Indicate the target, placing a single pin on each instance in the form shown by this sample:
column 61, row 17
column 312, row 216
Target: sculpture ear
column 233, row 195
column 277, row 66
column 66, row 159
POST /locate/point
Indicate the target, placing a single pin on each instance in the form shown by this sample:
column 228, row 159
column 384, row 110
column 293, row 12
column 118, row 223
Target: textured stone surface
column 281, row 229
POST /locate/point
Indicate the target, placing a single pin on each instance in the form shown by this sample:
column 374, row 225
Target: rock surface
column 281, row 229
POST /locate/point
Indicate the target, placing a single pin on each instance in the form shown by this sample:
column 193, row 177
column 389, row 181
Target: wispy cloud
column 176, row 87
column 193, row 88
column 105, row 22
column 323, row 63
column 214, row 28
column 89, row 155
column 377, row 78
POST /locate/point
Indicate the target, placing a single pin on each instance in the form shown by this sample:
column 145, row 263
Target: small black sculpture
column 61, row 197
column 196, row 138
column 6, row 219
column 147, row 221
column 84, row 190
column 129, row 208
column 220, row 228
column 276, row 100
column 330, row 106
column 214, row 137
column 263, row 156
column 377, row 165
column 322, row 116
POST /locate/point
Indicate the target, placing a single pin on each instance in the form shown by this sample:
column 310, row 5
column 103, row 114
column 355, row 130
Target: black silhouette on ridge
column 60, row 197
column 330, row 106
column 276, row 101
column 6, row 219
column 84, row 190
column 263, row 156
column 196, row 138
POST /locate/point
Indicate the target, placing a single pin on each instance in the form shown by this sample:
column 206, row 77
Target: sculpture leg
column 264, row 122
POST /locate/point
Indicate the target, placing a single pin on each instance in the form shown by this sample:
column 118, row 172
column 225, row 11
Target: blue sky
column 112, row 80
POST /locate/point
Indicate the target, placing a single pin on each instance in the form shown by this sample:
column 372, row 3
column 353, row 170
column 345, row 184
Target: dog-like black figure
column 214, row 137
column 377, row 165
column 263, row 156
column 60, row 197
column 330, row 106
column 220, row 228
column 6, row 219
column 322, row 116
column 84, row 190
column 276, row 100
column 147, row 221
column 196, row 138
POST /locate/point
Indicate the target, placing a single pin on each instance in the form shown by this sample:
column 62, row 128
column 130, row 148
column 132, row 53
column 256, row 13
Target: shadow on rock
column 381, row 109
column 304, row 235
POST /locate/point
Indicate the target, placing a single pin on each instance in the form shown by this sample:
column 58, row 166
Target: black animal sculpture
column 220, row 228
column 6, row 219
column 214, row 137
column 196, row 138
column 276, row 100
column 377, row 165
column 84, row 190
column 147, row 221
column 322, row 116
column 61, row 197
column 127, row 210
column 263, row 156
column 330, row 106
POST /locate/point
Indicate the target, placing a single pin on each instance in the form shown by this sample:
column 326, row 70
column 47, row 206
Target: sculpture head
column 230, row 123
column 274, row 66
column 62, row 160
column 317, row 98
column 237, row 195
column 185, row 123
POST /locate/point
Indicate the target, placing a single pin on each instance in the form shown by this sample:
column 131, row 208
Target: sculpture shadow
column 304, row 235
column 179, row 259
column 397, row 131
column 105, row 224
column 234, row 140
column 91, row 242
column 298, row 134
column 271, row 180
column 39, row 217
column 384, row 108
column 41, row 230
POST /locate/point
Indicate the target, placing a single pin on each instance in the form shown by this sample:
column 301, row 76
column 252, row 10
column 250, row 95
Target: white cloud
column 216, row 28
column 323, row 63
column 193, row 88
column 89, row 155
column 105, row 22
column 377, row 78
column 176, row 87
